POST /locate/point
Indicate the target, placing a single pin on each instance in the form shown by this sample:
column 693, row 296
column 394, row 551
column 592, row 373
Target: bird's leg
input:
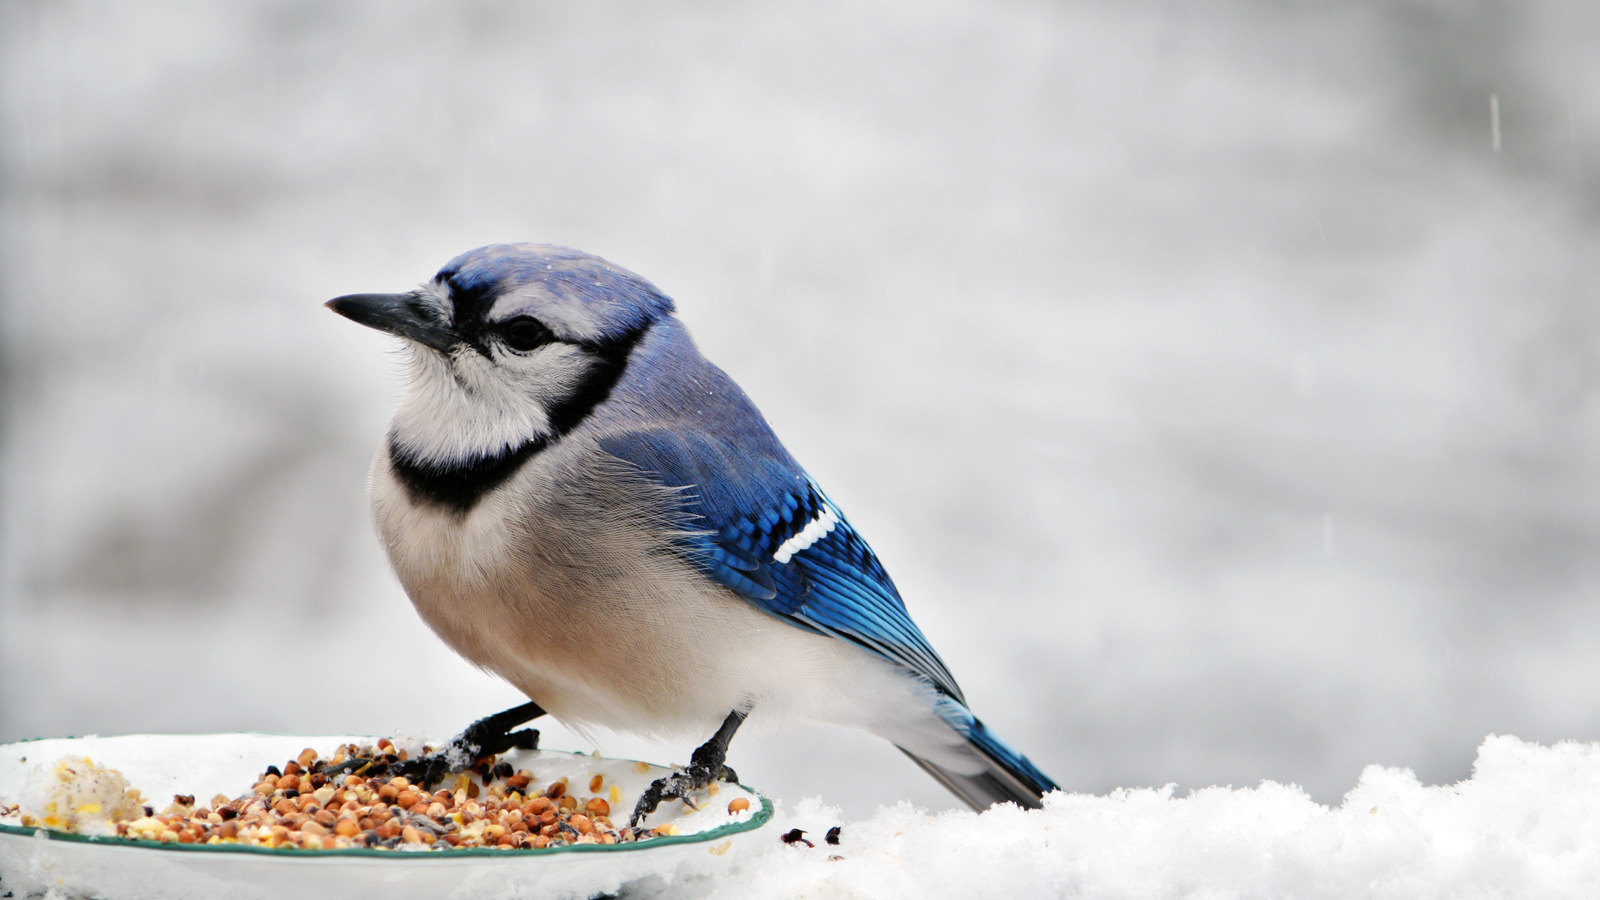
column 705, row 766
column 488, row 736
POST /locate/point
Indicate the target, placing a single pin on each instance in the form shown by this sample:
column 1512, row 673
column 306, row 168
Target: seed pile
column 312, row 804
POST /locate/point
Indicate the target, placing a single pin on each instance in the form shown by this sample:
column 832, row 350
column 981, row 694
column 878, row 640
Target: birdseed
column 301, row 806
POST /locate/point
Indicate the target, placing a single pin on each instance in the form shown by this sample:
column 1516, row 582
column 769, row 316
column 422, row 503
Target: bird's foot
column 464, row 752
column 705, row 766
column 680, row 785
column 489, row 736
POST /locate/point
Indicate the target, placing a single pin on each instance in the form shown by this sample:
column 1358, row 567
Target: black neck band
column 458, row 486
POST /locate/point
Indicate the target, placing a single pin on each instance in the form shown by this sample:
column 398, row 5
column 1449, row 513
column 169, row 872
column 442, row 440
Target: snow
column 1526, row 824
column 75, row 794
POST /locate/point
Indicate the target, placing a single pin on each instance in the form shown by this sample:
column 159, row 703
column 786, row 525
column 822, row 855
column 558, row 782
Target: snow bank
column 1526, row 824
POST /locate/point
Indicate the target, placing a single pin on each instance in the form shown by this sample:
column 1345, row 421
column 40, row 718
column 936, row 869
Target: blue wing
column 758, row 524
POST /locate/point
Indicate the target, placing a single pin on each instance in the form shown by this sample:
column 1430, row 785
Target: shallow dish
column 34, row 860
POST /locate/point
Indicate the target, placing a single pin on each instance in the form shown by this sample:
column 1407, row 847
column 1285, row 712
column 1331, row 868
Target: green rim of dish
column 755, row 821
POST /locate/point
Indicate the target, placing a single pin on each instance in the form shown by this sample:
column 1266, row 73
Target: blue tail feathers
column 1007, row 757
column 1003, row 775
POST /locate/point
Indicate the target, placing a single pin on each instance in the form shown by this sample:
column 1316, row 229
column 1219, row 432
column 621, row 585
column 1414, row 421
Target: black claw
column 489, row 736
column 492, row 735
column 833, row 835
column 678, row 785
column 796, row 836
column 705, row 766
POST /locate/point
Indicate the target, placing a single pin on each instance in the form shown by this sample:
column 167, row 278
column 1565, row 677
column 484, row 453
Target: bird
column 578, row 501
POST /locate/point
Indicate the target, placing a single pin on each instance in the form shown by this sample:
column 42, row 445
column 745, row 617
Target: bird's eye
column 525, row 333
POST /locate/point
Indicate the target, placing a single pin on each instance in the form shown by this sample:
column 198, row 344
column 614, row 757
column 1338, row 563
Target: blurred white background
column 1217, row 379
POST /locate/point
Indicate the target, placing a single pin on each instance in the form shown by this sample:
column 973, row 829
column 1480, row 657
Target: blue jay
column 578, row 501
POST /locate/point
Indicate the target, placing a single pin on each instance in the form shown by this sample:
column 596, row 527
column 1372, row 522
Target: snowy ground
column 1525, row 825
column 1219, row 381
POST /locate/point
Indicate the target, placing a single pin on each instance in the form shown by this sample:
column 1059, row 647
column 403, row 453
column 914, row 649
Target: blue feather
column 738, row 512
column 990, row 745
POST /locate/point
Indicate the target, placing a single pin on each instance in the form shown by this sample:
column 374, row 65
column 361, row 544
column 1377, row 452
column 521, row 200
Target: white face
column 484, row 397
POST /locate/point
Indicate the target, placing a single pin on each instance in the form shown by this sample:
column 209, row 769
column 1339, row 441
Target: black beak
column 404, row 315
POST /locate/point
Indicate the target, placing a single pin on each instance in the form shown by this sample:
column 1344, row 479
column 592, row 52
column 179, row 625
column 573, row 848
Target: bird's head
column 508, row 343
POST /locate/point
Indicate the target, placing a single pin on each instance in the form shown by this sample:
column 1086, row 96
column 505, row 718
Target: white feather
column 814, row 531
column 470, row 406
